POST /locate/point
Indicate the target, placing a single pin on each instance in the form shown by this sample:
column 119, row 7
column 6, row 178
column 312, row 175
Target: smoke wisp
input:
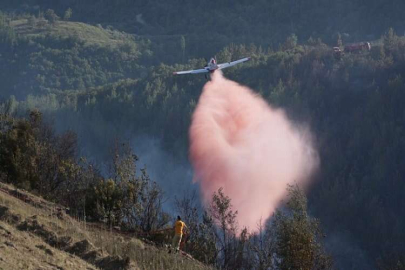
column 238, row 142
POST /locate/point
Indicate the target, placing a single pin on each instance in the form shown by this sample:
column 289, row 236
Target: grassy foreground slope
column 36, row 234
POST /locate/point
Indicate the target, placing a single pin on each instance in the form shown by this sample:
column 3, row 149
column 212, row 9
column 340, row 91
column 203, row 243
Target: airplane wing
column 230, row 64
column 195, row 71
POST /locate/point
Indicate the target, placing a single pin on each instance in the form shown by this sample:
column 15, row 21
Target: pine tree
column 68, row 14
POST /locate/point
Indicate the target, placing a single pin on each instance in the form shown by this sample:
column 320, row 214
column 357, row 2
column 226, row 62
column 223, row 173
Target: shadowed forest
column 84, row 82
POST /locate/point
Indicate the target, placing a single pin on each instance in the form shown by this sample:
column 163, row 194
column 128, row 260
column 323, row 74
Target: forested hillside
column 113, row 78
column 218, row 23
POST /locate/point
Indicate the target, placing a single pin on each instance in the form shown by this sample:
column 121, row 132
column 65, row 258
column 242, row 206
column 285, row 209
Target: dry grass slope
column 35, row 234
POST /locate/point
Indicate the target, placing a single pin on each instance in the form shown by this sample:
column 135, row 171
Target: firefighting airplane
column 212, row 66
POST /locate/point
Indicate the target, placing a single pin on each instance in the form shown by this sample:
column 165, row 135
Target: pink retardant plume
column 238, row 142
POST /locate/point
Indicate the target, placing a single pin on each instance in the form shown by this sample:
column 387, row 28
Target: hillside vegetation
column 42, row 57
column 90, row 35
column 35, row 158
column 208, row 26
column 115, row 80
column 37, row 234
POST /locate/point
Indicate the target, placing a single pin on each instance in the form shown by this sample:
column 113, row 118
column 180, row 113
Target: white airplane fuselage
column 212, row 65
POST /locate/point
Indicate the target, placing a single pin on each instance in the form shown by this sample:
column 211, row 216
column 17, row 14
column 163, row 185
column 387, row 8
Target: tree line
column 216, row 22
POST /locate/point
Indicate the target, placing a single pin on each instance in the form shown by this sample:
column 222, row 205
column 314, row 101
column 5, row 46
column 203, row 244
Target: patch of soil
column 9, row 244
column 81, row 248
column 33, row 226
column 44, row 248
column 86, row 250
column 93, row 256
column 7, row 216
column 116, row 262
column 6, row 232
column 63, row 242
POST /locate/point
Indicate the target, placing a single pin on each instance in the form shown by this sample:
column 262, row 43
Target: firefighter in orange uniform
column 179, row 230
